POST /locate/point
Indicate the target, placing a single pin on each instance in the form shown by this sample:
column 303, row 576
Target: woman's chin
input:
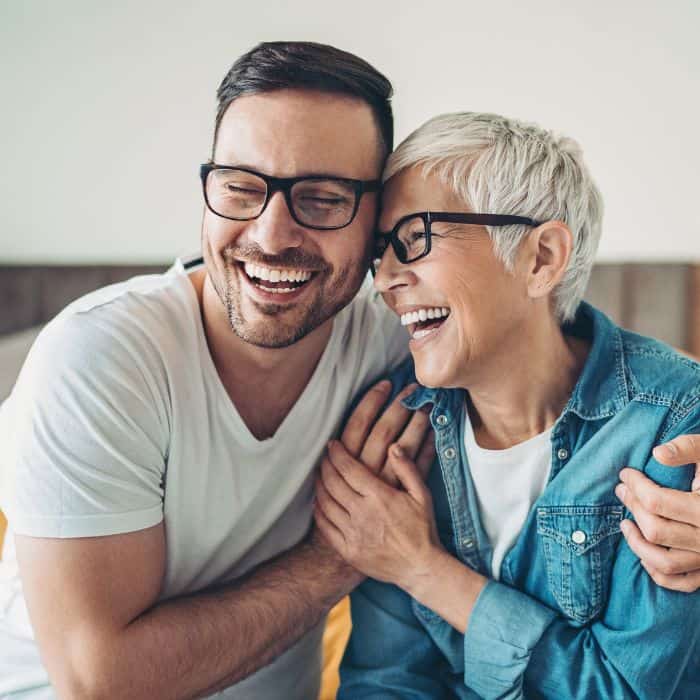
column 429, row 374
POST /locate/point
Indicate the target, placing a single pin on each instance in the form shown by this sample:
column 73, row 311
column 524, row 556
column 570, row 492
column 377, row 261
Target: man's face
column 291, row 133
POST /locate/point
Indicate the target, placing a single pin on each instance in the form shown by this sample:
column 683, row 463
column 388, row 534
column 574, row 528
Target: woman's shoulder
column 660, row 373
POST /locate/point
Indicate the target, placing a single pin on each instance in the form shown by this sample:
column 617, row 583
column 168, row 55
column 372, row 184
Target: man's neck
column 263, row 383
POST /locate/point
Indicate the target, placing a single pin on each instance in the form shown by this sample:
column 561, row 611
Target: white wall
column 108, row 107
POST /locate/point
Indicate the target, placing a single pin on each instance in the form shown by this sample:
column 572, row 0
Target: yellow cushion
column 3, row 527
column 335, row 639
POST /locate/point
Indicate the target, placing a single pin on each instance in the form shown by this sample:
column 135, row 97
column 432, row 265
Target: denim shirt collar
column 600, row 392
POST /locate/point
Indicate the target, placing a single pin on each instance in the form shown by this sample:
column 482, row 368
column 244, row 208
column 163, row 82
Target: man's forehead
column 295, row 132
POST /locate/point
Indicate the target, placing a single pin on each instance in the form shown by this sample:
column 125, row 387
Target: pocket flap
column 579, row 528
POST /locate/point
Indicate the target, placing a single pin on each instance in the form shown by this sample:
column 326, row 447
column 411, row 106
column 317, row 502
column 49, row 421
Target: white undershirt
column 507, row 483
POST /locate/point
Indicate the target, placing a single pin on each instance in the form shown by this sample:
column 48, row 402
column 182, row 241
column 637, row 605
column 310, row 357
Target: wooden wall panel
column 660, row 300
column 657, row 302
column 693, row 315
column 606, row 290
column 31, row 295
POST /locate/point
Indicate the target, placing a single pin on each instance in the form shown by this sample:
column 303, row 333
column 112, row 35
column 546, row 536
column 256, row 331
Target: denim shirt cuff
column 503, row 628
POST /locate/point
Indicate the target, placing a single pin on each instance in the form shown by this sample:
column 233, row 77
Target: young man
column 160, row 443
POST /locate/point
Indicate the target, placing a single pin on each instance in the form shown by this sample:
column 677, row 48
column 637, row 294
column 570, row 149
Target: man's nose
column 275, row 230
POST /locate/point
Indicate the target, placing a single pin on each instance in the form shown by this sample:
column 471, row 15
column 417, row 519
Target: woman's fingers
column 331, row 507
column 386, row 430
column 364, row 416
column 407, row 474
column 356, row 475
column 426, row 455
column 414, row 434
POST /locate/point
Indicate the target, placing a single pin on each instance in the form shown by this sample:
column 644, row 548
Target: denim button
column 450, row 453
column 563, row 454
column 578, row 536
column 467, row 543
column 442, row 420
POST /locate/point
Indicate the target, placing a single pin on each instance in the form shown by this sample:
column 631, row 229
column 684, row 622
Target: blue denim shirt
column 570, row 617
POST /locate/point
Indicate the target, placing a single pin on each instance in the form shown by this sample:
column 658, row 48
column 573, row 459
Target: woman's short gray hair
column 504, row 166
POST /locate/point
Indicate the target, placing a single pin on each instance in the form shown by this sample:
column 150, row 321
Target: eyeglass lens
column 321, row 202
column 413, row 237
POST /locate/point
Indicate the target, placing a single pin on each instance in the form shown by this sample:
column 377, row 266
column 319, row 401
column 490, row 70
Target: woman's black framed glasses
column 322, row 202
column 411, row 238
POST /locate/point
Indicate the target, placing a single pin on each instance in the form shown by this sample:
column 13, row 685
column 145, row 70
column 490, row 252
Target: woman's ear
column 548, row 251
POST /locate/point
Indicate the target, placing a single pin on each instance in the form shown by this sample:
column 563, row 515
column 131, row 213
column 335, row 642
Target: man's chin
column 273, row 332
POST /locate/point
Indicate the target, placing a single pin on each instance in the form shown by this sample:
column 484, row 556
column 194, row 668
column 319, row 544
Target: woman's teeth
column 422, row 315
column 420, row 333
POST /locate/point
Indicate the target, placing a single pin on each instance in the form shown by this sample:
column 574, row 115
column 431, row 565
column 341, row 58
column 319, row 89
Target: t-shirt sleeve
column 84, row 433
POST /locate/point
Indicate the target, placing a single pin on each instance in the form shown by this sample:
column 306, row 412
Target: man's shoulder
column 123, row 330
column 141, row 295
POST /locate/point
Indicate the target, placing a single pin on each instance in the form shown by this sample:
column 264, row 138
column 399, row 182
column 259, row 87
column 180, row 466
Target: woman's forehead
column 410, row 190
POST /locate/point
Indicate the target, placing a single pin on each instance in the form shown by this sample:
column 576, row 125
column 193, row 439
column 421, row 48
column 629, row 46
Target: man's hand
column 666, row 535
column 368, row 437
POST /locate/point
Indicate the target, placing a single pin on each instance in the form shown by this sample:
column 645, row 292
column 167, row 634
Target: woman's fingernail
column 621, row 491
column 397, row 451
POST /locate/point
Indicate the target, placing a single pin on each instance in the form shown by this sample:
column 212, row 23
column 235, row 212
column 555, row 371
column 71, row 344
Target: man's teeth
column 270, row 275
column 423, row 315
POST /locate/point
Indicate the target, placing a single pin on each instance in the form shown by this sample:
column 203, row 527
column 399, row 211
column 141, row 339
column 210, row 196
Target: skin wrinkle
column 316, row 313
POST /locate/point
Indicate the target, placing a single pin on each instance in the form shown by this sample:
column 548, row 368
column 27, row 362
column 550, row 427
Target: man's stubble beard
column 275, row 333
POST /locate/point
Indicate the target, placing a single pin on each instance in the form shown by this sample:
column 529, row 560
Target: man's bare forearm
column 195, row 645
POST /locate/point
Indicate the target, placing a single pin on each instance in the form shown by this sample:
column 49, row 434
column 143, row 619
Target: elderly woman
column 508, row 574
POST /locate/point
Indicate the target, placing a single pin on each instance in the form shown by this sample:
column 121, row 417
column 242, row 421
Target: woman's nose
column 390, row 273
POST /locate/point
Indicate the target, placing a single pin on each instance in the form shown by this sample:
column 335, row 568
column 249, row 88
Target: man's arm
column 92, row 605
column 92, row 600
column 666, row 535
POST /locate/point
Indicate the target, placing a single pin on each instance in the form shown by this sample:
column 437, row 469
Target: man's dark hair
column 280, row 65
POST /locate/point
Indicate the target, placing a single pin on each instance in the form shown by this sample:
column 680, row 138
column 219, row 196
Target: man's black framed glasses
column 322, row 202
column 411, row 238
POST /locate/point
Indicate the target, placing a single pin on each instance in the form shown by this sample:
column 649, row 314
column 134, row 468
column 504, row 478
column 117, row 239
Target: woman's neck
column 521, row 391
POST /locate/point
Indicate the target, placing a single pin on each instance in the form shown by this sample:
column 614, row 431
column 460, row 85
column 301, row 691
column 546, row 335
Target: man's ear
column 547, row 254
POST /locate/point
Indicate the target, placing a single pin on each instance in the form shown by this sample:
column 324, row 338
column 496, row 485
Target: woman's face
column 487, row 305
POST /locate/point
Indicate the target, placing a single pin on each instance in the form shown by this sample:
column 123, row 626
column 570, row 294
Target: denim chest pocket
column 579, row 544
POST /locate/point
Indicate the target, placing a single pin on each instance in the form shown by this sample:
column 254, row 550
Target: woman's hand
column 666, row 535
column 386, row 532
column 370, row 431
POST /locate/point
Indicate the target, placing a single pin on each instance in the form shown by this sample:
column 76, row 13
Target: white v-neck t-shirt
column 119, row 421
column 507, row 484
